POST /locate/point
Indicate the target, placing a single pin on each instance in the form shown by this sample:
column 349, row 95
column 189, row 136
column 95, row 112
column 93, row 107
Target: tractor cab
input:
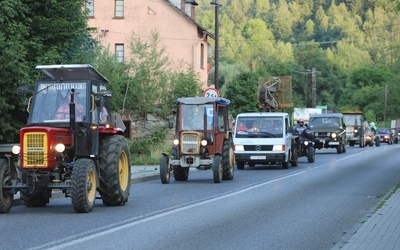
column 65, row 88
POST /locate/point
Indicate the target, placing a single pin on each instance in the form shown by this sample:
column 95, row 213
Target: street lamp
column 192, row 2
column 216, row 54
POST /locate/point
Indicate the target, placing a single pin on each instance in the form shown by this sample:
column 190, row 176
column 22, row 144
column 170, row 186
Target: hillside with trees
column 354, row 46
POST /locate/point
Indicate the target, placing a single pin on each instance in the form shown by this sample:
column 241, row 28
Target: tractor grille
column 190, row 144
column 35, row 150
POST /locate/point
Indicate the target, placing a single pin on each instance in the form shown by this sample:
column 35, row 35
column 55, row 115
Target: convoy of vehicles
column 329, row 131
column 203, row 140
column 355, row 126
column 77, row 153
column 83, row 151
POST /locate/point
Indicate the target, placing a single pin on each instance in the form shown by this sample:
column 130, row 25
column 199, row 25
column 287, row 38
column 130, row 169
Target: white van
column 263, row 138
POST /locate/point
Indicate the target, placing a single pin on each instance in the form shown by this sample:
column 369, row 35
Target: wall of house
column 177, row 34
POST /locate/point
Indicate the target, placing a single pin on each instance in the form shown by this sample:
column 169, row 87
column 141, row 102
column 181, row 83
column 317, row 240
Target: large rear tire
column 217, row 169
column 115, row 171
column 228, row 160
column 164, row 170
column 6, row 199
column 84, row 181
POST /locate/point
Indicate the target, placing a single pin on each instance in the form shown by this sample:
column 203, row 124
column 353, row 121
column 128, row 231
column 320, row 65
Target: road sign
column 211, row 92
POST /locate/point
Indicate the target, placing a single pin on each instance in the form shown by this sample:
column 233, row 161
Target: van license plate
column 258, row 157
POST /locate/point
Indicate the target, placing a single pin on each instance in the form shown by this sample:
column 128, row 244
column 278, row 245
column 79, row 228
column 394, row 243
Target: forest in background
column 354, row 46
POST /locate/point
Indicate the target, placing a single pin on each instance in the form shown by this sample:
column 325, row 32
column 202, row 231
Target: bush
column 143, row 147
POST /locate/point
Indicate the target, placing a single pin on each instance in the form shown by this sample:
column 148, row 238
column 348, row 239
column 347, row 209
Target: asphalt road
column 306, row 207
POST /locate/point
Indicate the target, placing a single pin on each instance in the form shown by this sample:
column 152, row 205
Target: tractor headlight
column 355, row 130
column 60, row 147
column 176, row 142
column 16, row 149
column 204, row 142
column 306, row 143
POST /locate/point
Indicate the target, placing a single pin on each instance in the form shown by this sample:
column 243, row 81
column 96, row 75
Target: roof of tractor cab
column 203, row 100
column 327, row 115
column 70, row 72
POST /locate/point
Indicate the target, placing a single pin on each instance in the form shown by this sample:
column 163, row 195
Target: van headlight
column 278, row 148
column 239, row 148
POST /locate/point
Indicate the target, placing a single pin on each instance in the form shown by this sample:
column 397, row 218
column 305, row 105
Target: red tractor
column 203, row 140
column 71, row 143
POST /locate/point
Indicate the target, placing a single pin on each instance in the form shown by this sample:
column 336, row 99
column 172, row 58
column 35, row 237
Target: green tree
column 116, row 73
column 242, row 92
column 32, row 33
column 153, row 81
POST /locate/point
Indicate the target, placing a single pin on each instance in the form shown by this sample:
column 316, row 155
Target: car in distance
column 385, row 135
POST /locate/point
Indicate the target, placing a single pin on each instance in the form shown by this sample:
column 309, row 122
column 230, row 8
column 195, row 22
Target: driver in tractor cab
column 63, row 111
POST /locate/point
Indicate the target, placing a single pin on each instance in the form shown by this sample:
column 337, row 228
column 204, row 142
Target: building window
column 119, row 8
column 90, row 8
column 201, row 56
column 119, row 51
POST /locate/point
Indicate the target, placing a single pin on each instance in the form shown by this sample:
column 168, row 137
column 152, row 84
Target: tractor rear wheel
column 228, row 160
column 83, row 185
column 115, row 171
column 6, row 199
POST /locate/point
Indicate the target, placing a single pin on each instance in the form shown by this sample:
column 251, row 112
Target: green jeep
column 329, row 131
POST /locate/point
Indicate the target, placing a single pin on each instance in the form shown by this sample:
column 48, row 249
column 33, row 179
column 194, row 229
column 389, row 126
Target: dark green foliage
column 242, row 92
column 143, row 147
column 32, row 33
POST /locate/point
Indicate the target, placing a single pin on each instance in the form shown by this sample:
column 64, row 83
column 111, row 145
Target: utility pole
column 314, row 88
column 384, row 113
column 216, row 54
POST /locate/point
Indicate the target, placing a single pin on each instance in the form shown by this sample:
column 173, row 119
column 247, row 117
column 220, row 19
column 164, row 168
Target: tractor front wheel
column 217, row 169
column 6, row 199
column 164, row 170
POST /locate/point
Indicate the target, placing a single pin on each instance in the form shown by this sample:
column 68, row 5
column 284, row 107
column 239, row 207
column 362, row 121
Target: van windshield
column 259, row 127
